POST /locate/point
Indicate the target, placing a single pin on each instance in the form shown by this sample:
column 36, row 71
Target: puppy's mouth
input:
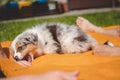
column 28, row 58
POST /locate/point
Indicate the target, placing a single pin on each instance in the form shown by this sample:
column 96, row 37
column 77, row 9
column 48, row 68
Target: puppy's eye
column 21, row 48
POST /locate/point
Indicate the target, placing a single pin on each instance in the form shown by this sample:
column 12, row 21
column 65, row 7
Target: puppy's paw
column 24, row 63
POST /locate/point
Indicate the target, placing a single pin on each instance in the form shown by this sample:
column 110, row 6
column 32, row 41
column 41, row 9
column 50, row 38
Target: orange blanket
column 91, row 67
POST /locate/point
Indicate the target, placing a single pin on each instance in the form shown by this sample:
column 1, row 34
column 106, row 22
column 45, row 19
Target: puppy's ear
column 32, row 38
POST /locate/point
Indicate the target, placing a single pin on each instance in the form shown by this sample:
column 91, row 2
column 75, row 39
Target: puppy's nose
column 16, row 58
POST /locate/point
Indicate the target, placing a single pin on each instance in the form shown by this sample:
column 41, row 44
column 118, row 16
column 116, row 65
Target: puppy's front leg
column 23, row 63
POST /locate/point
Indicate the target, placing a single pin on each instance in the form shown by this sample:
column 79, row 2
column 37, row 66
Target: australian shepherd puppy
column 49, row 38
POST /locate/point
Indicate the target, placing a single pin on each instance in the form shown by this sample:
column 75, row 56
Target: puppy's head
column 24, row 47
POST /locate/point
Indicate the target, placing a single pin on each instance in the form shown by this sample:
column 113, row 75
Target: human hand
column 52, row 75
column 59, row 75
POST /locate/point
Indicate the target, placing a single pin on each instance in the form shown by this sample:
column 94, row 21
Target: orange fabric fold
column 91, row 67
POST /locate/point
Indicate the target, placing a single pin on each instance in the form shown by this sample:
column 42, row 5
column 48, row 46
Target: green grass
column 8, row 31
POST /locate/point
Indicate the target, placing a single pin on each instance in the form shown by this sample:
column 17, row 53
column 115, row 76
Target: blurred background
column 18, row 15
column 12, row 9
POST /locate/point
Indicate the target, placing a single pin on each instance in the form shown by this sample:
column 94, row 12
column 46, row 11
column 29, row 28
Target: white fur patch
column 18, row 55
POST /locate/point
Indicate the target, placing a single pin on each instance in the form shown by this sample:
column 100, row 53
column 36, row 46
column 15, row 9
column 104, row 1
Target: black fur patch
column 59, row 48
column 53, row 30
column 80, row 38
